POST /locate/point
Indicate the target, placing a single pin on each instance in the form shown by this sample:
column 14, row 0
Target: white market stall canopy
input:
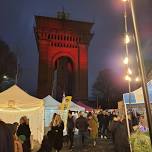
column 136, row 97
column 15, row 103
column 75, row 107
column 52, row 106
column 51, row 103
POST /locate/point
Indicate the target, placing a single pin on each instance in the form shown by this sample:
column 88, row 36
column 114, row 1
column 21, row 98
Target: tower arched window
column 55, row 37
column 70, row 38
column 49, row 37
column 65, row 37
column 52, row 36
column 58, row 37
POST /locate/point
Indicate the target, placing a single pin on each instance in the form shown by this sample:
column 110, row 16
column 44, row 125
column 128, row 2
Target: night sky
column 106, row 48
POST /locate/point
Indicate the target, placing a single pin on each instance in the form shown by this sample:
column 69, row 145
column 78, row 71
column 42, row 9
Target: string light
column 127, row 39
column 126, row 60
column 137, row 79
column 129, row 71
column 127, row 78
column 18, row 109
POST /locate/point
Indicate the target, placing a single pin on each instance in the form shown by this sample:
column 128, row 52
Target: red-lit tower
column 63, row 56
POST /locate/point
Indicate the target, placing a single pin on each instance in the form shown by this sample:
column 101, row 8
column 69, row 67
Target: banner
column 65, row 106
column 136, row 97
column 139, row 95
column 129, row 98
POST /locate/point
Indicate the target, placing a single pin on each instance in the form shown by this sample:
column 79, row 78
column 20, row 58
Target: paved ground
column 103, row 145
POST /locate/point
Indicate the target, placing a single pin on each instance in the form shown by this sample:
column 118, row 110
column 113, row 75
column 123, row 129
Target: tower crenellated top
column 63, row 15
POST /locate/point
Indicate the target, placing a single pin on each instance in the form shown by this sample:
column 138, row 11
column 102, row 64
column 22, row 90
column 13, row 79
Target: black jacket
column 70, row 123
column 24, row 129
column 57, row 136
column 82, row 124
column 120, row 136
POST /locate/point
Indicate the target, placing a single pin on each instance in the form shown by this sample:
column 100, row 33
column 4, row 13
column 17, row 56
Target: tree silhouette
column 108, row 88
column 8, row 66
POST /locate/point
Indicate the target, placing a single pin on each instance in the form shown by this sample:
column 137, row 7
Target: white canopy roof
column 16, row 98
column 75, row 107
column 51, row 103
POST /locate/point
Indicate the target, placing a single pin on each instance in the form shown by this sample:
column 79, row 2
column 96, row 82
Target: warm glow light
column 129, row 71
column 124, row 0
column 5, row 77
column 127, row 39
column 137, row 79
column 127, row 78
column 18, row 109
column 125, row 61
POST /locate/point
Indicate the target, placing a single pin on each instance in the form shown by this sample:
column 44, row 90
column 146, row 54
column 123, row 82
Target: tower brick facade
column 63, row 57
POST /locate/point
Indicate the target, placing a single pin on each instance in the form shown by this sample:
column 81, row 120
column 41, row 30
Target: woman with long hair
column 47, row 142
column 57, row 131
column 6, row 138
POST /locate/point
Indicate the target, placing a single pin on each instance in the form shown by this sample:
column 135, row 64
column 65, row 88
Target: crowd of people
column 82, row 130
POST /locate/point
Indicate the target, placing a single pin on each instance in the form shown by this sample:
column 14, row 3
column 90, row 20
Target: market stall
column 15, row 103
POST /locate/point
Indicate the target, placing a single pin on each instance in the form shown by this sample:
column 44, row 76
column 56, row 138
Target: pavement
column 103, row 145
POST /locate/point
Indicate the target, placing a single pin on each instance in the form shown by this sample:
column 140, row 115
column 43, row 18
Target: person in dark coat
column 100, row 120
column 105, row 125
column 45, row 145
column 24, row 131
column 6, row 138
column 57, row 133
column 82, row 126
column 112, row 127
column 70, row 128
column 120, row 136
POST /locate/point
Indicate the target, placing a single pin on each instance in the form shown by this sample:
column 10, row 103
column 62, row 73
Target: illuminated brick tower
column 63, row 56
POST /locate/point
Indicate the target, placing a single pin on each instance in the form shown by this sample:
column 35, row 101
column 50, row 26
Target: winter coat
column 46, row 145
column 82, row 124
column 93, row 124
column 6, row 138
column 106, row 120
column 57, row 136
column 100, row 119
column 70, row 123
column 24, row 129
column 120, row 136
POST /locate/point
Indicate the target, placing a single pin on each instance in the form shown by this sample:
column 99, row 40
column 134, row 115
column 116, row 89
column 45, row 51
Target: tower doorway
column 63, row 78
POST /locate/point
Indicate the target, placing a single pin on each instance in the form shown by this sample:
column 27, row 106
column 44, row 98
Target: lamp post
column 141, row 69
